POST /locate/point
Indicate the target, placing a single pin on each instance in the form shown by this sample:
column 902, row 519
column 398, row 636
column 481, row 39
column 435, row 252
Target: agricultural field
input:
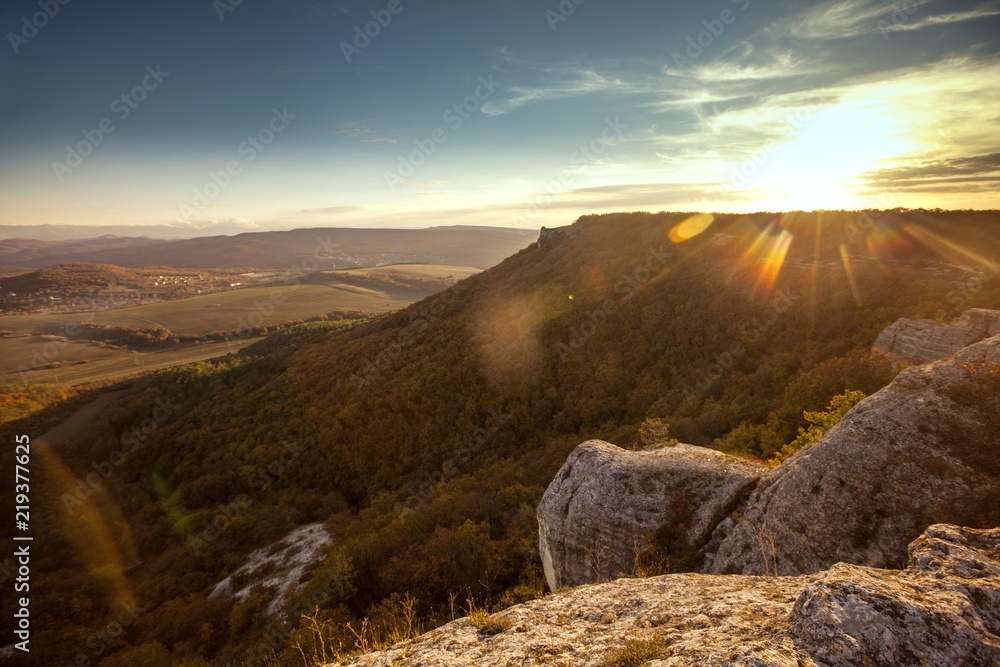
column 80, row 363
column 36, row 349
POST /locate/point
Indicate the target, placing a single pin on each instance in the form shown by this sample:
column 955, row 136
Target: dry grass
column 635, row 653
column 487, row 624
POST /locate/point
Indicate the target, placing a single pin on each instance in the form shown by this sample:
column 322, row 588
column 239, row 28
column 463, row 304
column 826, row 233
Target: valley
column 85, row 346
column 424, row 438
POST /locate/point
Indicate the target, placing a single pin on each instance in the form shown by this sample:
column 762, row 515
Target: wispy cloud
column 844, row 19
column 955, row 174
column 564, row 82
column 983, row 11
column 361, row 131
column 840, row 19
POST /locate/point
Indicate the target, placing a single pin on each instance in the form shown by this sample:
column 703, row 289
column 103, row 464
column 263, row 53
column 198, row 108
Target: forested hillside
column 424, row 439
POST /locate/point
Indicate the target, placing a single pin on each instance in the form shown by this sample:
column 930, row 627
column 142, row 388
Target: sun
column 822, row 165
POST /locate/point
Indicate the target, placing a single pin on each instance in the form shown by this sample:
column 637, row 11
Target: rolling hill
column 424, row 438
column 302, row 249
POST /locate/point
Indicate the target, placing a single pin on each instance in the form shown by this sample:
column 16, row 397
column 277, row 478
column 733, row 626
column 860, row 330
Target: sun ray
column 773, row 262
column 845, row 258
column 946, row 247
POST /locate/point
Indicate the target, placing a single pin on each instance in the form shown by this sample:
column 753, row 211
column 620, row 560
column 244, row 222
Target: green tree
column 821, row 422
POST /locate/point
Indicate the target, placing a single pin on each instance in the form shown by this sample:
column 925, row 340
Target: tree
column 821, row 422
column 655, row 433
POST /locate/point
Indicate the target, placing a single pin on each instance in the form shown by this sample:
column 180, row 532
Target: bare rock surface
column 279, row 566
column 925, row 449
column 920, row 342
column 942, row 610
column 596, row 513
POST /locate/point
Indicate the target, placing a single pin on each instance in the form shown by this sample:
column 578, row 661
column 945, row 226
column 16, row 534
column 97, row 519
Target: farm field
column 95, row 363
column 225, row 311
column 33, row 341
column 267, row 304
column 433, row 271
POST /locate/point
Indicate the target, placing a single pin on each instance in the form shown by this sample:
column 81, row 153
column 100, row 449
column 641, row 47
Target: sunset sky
column 518, row 113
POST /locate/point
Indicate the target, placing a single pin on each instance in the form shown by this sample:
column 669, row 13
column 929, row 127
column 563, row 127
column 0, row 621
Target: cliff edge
column 942, row 610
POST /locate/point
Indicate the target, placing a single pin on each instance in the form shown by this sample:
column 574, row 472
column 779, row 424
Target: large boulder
column 924, row 449
column 942, row 610
column 921, row 342
column 595, row 515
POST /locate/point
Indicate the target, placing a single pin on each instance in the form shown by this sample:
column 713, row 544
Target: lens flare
column 885, row 241
column 752, row 253
column 171, row 505
column 690, row 228
column 769, row 250
column 92, row 523
column 947, row 248
column 845, row 258
column 509, row 336
column 773, row 263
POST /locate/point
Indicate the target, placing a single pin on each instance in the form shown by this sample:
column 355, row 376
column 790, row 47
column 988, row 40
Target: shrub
column 487, row 624
column 820, row 423
column 635, row 653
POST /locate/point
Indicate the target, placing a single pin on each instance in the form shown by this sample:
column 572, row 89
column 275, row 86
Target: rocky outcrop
column 921, row 342
column 596, row 513
column 924, row 449
column 546, row 234
column 279, row 566
column 942, row 610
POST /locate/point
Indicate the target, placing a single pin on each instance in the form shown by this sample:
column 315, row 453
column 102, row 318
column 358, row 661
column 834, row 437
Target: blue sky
column 275, row 115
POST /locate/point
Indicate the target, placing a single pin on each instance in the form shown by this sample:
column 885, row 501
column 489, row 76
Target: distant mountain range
column 304, row 249
column 73, row 232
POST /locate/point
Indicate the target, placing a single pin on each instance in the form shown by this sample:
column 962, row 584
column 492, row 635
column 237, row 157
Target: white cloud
column 983, row 11
column 843, row 19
